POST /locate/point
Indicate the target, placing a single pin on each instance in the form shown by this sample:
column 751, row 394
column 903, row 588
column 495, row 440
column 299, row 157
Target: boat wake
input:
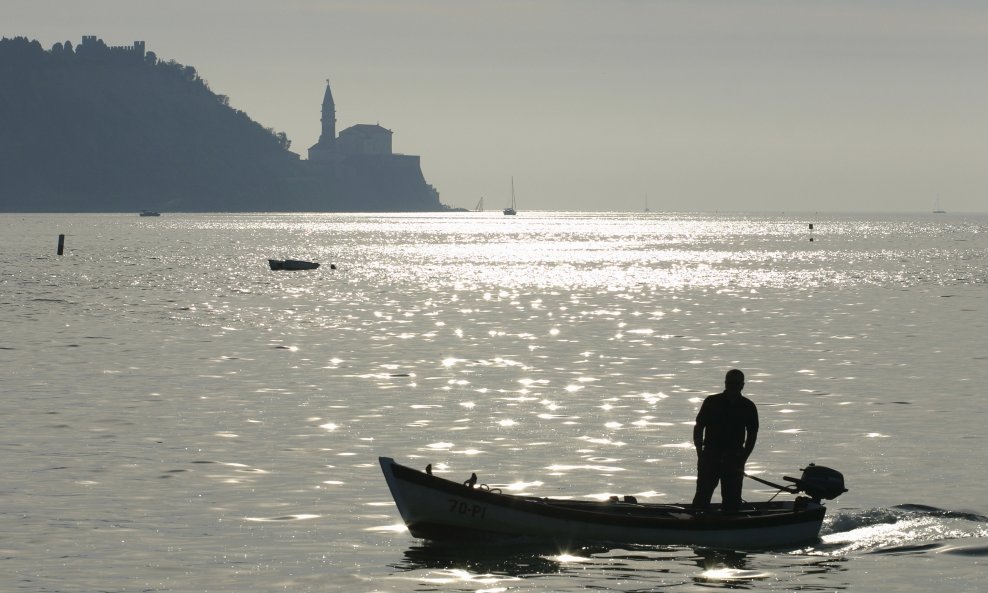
column 902, row 529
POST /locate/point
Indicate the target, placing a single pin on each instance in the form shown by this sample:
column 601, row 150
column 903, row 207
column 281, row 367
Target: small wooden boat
column 434, row 508
column 292, row 264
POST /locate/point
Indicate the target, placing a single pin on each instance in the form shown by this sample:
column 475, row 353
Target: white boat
column 510, row 210
column 936, row 207
column 434, row 508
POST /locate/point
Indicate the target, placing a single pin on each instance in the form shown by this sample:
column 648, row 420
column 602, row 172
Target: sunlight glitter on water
column 299, row 517
column 630, row 252
column 132, row 380
column 459, row 576
column 569, row 559
column 732, row 574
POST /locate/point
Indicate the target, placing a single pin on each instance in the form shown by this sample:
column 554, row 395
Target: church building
column 361, row 139
column 359, row 166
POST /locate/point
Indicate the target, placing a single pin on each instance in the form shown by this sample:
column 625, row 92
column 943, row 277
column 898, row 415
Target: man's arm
column 701, row 422
column 751, row 433
column 749, row 441
column 698, row 436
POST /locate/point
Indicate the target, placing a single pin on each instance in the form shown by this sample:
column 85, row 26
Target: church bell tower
column 328, row 136
column 326, row 150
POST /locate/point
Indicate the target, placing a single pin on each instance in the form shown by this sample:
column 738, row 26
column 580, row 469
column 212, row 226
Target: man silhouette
column 724, row 436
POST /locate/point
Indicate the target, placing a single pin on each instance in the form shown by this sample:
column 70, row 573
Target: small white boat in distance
column 510, row 210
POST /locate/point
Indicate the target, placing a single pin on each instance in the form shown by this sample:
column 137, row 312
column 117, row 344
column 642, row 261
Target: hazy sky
column 776, row 105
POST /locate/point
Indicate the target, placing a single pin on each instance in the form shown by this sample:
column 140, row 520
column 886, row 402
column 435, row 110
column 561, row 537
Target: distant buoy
column 811, row 226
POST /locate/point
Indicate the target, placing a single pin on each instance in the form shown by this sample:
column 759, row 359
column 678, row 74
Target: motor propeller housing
column 819, row 482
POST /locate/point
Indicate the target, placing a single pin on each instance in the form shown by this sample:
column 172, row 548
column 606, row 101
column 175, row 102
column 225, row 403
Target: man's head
column 734, row 380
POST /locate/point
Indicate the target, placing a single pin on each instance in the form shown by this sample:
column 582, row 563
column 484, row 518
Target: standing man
column 724, row 436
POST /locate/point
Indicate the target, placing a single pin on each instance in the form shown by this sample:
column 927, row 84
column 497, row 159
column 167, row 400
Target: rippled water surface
column 177, row 417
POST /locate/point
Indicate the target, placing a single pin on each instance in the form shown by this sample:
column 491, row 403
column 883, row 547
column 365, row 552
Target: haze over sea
column 177, row 417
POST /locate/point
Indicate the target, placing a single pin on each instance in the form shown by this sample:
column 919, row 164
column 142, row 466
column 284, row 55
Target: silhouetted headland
column 95, row 128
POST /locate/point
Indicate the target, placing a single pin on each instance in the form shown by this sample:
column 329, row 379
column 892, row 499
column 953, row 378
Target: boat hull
column 291, row 264
column 437, row 509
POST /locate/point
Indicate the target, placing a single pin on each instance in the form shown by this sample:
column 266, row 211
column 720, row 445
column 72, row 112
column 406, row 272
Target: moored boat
column 434, row 508
column 291, row 264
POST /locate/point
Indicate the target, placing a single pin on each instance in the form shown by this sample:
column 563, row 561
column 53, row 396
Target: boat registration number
column 462, row 507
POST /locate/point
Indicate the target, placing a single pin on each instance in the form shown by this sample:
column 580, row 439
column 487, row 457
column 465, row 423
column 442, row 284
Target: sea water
column 177, row 417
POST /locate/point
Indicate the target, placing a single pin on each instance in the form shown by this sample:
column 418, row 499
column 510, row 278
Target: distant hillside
column 100, row 129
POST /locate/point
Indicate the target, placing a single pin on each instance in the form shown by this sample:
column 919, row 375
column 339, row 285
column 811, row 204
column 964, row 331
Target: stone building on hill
column 361, row 139
column 361, row 162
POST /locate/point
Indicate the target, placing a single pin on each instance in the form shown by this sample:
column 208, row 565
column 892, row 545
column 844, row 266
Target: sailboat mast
column 510, row 210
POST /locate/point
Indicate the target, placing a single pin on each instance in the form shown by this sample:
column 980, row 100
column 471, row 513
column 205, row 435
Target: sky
column 607, row 105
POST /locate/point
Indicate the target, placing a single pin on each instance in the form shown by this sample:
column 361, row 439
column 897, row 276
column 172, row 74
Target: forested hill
column 107, row 129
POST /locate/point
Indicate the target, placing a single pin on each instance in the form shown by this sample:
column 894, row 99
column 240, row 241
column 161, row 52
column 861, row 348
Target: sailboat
column 936, row 207
column 480, row 205
column 510, row 210
column 646, row 202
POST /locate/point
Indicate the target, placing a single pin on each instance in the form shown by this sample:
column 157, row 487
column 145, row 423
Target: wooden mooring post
column 61, row 244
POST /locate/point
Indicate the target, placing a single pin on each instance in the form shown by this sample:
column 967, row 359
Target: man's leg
column 706, row 480
column 731, row 480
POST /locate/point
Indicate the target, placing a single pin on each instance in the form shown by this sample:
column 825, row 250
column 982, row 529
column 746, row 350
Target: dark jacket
column 727, row 421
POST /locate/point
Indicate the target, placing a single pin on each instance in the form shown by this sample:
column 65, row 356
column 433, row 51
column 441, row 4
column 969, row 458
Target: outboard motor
column 819, row 482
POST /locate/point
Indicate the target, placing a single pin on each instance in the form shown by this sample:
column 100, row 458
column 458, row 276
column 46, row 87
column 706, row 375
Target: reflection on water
column 635, row 568
column 509, row 560
column 179, row 417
